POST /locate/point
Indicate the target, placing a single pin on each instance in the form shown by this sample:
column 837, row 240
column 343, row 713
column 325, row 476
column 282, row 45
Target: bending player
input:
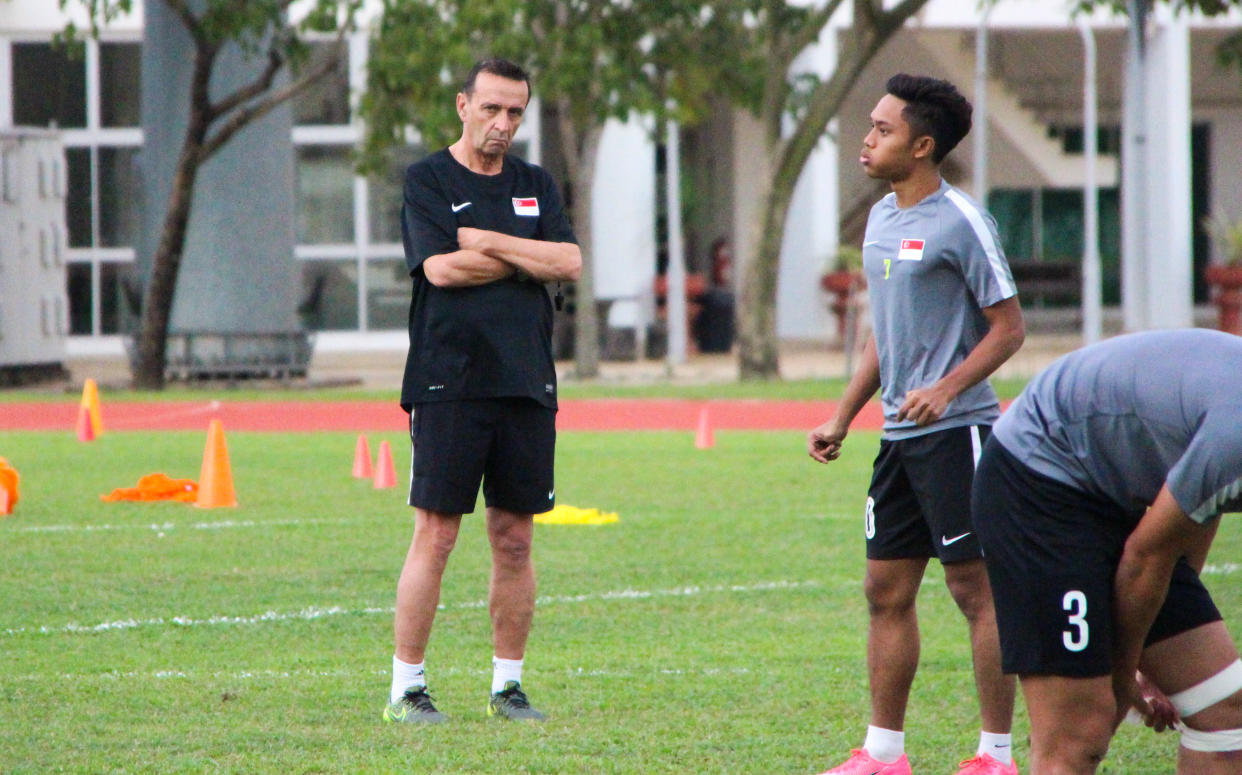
column 1096, row 500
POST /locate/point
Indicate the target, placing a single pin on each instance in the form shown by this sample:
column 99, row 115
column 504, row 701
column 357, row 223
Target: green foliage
column 1206, row 7
column 597, row 59
column 719, row 627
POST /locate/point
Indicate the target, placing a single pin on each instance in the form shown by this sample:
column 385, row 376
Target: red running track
column 605, row 414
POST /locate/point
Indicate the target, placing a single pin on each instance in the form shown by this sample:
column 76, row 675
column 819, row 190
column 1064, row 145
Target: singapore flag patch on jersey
column 527, row 205
column 911, row 250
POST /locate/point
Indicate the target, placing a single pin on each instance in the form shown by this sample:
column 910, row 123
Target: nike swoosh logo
column 945, row 541
column 872, row 242
column 458, row 208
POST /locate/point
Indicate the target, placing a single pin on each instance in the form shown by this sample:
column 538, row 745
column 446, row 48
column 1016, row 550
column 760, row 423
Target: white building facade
column 348, row 231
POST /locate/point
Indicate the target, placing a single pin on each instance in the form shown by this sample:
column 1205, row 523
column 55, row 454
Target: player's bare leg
column 969, row 586
column 891, row 587
column 418, row 588
column 1187, row 660
column 511, row 592
column 1071, row 722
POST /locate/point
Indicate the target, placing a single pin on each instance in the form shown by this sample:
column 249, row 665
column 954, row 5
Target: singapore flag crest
column 911, row 250
column 525, row 205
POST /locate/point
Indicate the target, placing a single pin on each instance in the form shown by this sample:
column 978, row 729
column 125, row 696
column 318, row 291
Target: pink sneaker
column 983, row 764
column 861, row 763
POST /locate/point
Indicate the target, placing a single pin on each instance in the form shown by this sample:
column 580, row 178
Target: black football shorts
column 508, row 444
column 1052, row 552
column 918, row 504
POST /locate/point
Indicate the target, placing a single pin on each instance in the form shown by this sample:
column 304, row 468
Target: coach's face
column 491, row 114
column 890, row 150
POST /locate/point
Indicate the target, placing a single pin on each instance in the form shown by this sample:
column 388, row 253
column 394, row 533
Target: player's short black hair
column 496, row 66
column 933, row 107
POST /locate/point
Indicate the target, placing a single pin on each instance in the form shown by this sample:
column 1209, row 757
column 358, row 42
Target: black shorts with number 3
column 1052, row 552
column 918, row 505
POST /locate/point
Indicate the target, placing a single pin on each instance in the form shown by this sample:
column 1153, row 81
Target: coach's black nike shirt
column 483, row 341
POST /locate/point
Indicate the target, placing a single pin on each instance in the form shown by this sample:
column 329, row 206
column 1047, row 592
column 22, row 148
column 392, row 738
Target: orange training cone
column 90, row 402
column 704, row 438
column 8, row 487
column 86, row 429
column 385, row 475
column 362, row 459
column 215, row 483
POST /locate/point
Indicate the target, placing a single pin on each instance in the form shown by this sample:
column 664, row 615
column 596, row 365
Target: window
column 325, row 194
column 329, row 295
column 388, row 294
column 120, row 65
column 78, row 201
column 327, row 100
column 118, row 194
column 49, row 86
column 384, row 192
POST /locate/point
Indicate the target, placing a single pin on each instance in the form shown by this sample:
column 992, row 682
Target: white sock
column 404, row 676
column 999, row 747
column 503, row 671
column 885, row 745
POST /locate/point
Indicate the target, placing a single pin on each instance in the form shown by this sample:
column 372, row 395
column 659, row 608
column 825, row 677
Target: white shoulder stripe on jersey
column 985, row 238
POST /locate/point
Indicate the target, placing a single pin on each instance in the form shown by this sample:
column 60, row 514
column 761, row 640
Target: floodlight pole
column 676, row 298
column 1092, row 328
column 980, row 157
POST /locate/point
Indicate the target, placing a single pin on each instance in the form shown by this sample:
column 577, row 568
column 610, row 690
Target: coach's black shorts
column 1052, row 552
column 919, row 501
column 508, row 444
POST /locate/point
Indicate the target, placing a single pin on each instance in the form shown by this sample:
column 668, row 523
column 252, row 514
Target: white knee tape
column 1211, row 742
column 1208, row 692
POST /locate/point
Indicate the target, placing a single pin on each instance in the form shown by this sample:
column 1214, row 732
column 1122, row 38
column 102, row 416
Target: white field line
column 148, row 420
column 311, row 613
column 299, row 675
column 167, row 527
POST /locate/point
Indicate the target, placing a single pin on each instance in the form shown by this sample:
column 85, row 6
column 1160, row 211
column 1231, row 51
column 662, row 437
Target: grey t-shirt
column 1119, row 418
column 931, row 269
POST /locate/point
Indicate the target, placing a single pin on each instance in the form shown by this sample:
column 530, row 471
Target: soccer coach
column 483, row 232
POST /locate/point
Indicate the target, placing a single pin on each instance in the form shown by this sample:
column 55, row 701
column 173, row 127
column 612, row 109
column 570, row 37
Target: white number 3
column 1075, row 602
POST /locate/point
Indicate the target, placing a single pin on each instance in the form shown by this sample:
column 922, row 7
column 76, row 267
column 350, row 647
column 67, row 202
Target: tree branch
column 191, row 22
column 815, row 25
column 256, row 110
column 275, row 60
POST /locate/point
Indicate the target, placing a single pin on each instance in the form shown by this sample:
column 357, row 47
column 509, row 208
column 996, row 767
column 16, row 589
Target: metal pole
column 1091, row 315
column 980, row 158
column 676, row 302
column 1133, row 174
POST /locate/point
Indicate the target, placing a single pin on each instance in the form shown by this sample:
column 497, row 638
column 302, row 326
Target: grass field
column 717, row 628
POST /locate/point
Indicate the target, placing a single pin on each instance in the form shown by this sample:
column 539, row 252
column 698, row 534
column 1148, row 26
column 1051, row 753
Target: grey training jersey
column 1119, row 418
column 931, row 269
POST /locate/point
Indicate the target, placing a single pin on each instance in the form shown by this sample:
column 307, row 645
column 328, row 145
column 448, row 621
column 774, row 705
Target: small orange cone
column 362, row 459
column 90, row 402
column 215, row 483
column 8, row 487
column 385, row 474
column 86, row 429
column 704, row 438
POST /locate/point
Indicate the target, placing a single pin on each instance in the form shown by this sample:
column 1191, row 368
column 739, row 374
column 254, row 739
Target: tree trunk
column 158, row 299
column 758, row 354
column 161, row 288
column 580, row 146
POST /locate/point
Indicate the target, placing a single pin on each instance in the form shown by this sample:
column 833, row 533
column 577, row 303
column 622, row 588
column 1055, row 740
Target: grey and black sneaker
column 511, row 703
column 414, row 707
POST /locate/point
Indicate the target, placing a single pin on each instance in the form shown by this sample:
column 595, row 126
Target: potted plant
column 1225, row 275
column 842, row 276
